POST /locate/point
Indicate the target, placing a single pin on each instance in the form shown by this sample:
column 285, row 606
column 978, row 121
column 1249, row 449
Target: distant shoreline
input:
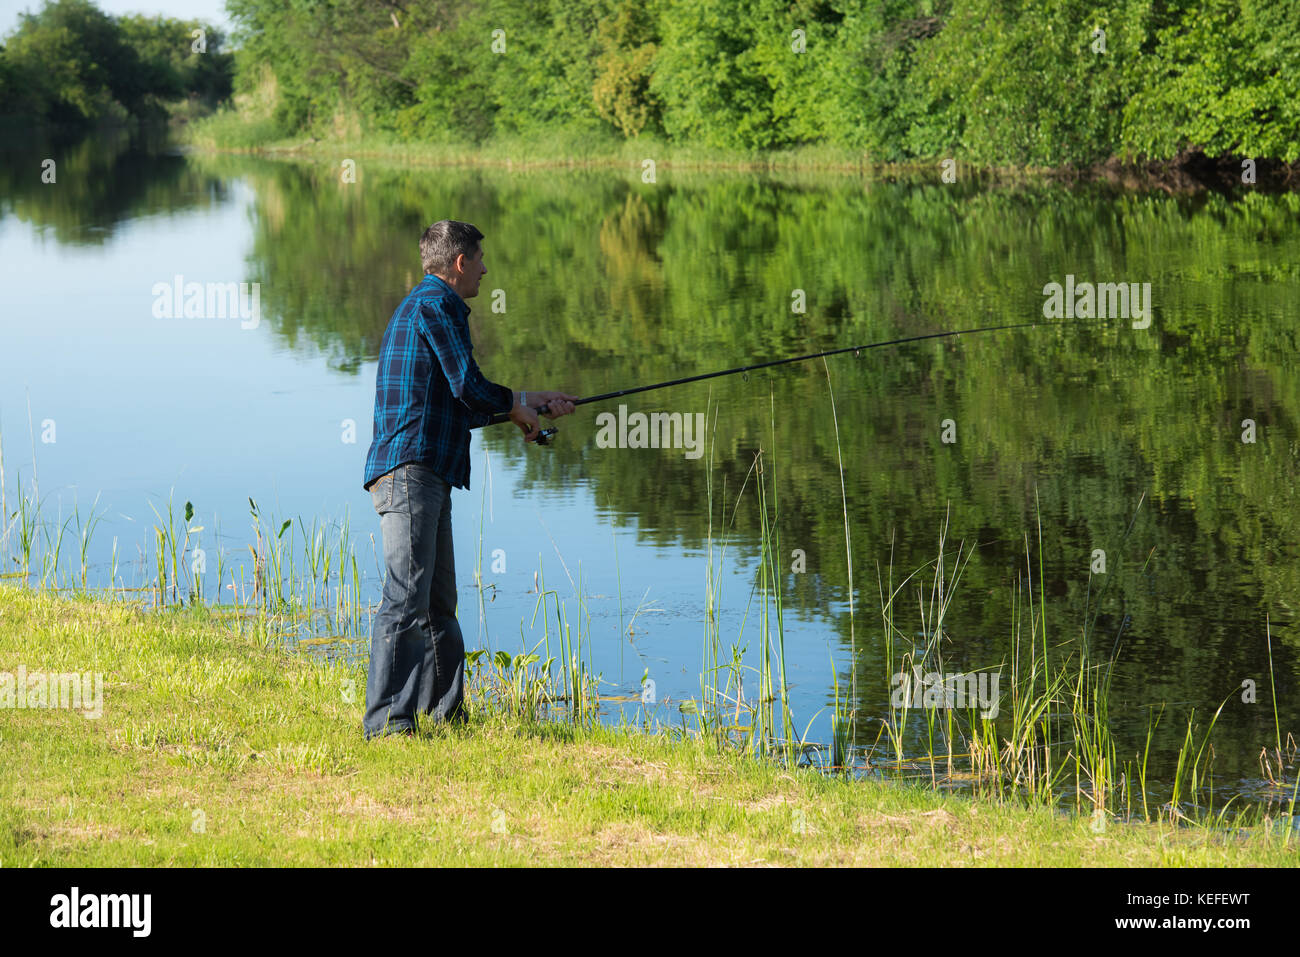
column 1189, row 171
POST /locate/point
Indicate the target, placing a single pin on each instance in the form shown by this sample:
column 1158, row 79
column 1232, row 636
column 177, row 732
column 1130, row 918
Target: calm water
column 608, row 282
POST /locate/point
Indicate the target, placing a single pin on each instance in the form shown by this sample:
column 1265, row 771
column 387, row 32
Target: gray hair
column 444, row 241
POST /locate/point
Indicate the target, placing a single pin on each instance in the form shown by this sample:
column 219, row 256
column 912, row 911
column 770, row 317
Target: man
column 429, row 392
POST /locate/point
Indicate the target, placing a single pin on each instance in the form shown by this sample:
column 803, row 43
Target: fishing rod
column 545, row 434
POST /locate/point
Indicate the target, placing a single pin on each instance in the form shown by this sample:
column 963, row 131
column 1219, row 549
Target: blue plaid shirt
column 429, row 391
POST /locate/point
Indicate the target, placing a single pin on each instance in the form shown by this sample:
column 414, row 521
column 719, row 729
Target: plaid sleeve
column 451, row 344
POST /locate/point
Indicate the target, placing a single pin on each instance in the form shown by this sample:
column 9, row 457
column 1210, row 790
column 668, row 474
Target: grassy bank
column 236, row 131
column 215, row 749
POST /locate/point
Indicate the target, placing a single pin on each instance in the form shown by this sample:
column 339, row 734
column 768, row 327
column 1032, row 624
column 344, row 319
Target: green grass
column 216, row 749
column 1052, row 743
column 252, row 131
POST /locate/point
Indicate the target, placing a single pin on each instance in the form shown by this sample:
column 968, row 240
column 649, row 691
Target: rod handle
column 505, row 416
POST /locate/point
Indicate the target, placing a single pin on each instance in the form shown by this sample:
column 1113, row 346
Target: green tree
column 174, row 63
column 708, row 78
column 629, row 41
column 993, row 82
column 1224, row 77
column 72, row 63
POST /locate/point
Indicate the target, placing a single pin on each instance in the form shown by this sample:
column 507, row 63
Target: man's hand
column 525, row 417
column 555, row 404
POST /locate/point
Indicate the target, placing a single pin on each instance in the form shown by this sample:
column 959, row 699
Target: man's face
column 472, row 271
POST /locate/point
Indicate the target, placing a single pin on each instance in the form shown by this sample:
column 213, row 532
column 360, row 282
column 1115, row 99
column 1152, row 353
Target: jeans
column 417, row 653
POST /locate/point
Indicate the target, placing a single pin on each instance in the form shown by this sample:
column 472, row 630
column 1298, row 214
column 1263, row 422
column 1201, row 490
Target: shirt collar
column 438, row 282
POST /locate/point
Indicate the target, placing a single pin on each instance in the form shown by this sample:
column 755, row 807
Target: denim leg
column 410, row 501
column 443, row 696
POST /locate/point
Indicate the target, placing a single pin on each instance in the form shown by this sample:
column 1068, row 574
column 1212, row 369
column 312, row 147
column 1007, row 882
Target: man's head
column 451, row 251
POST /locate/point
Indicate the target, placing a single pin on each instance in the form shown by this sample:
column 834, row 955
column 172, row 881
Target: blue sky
column 211, row 10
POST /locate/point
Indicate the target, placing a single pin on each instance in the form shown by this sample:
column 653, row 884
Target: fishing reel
column 544, row 435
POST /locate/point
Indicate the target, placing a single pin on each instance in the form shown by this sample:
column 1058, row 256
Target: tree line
column 1024, row 82
column 72, row 64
